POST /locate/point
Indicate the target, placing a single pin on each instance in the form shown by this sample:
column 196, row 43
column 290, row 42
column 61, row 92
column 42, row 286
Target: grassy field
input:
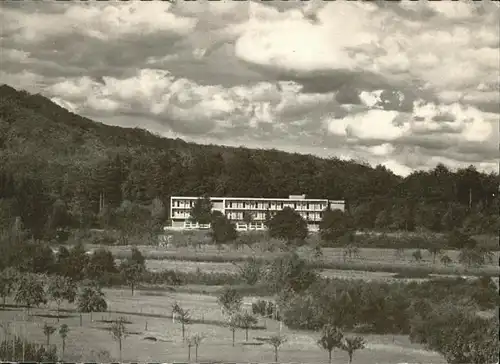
column 330, row 255
column 230, row 268
column 368, row 260
column 86, row 342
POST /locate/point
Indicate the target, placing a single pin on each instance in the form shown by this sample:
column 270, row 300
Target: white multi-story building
column 235, row 208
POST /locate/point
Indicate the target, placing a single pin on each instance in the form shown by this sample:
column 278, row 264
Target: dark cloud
column 348, row 94
column 486, row 106
column 444, row 117
column 220, row 68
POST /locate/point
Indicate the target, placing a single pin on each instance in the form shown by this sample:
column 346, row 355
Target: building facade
column 237, row 208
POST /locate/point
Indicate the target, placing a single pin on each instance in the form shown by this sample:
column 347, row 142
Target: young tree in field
column 474, row 257
column 183, row 316
column 201, row 212
column 233, row 322
column 119, row 333
column 137, row 258
column 446, row 260
column 132, row 274
column 196, row 341
column 434, row 250
column 91, row 299
column 189, row 344
column 288, row 225
column 61, row 289
column 351, row 345
column 48, row 331
column 30, row 291
column 276, row 341
column 133, row 268
column 230, row 301
column 246, row 322
column 350, row 251
column 222, row 230
column 63, row 332
column 399, row 253
column 8, row 278
column 175, row 308
column 250, row 271
column 417, row 255
column 331, row 338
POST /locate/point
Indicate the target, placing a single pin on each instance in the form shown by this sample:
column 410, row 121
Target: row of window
column 259, row 205
column 258, row 216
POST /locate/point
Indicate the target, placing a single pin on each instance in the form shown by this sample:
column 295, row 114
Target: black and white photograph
column 222, row 181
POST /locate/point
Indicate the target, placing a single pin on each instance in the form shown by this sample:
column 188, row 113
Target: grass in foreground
column 92, row 341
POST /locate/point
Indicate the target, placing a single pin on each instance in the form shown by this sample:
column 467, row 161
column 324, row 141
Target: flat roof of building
column 260, row 199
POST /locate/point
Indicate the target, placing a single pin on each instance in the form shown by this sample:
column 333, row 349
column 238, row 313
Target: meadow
column 154, row 337
column 369, row 263
column 149, row 314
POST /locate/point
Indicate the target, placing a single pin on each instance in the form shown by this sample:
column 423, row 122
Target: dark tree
column 230, row 300
column 91, row 299
column 335, row 225
column 222, row 230
column 201, row 212
column 288, row 225
column 331, row 338
column 101, row 262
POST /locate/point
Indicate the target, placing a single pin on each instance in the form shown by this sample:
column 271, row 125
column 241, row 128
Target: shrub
column 457, row 333
column 32, row 351
column 379, row 307
column 30, row 291
column 176, row 278
column 264, row 308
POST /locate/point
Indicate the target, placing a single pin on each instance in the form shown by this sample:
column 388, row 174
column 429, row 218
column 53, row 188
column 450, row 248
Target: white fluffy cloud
column 100, row 21
column 406, row 85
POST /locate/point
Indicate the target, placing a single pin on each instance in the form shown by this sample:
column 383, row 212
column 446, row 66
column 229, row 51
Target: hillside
column 56, row 165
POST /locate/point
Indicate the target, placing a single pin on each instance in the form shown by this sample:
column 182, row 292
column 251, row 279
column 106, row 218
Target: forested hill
column 55, row 165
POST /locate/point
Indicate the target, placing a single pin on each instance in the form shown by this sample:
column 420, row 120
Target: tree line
column 92, row 175
column 336, row 228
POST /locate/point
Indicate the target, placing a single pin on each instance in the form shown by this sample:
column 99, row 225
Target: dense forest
column 60, row 170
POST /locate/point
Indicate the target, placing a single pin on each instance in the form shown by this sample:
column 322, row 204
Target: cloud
column 406, row 85
column 100, row 21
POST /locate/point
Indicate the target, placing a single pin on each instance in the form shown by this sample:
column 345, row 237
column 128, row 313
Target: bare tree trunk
column 63, row 348
column 246, row 334
column 234, row 331
column 330, row 357
column 275, row 354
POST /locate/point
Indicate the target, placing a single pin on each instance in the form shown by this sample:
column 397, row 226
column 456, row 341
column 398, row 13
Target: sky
column 407, row 85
